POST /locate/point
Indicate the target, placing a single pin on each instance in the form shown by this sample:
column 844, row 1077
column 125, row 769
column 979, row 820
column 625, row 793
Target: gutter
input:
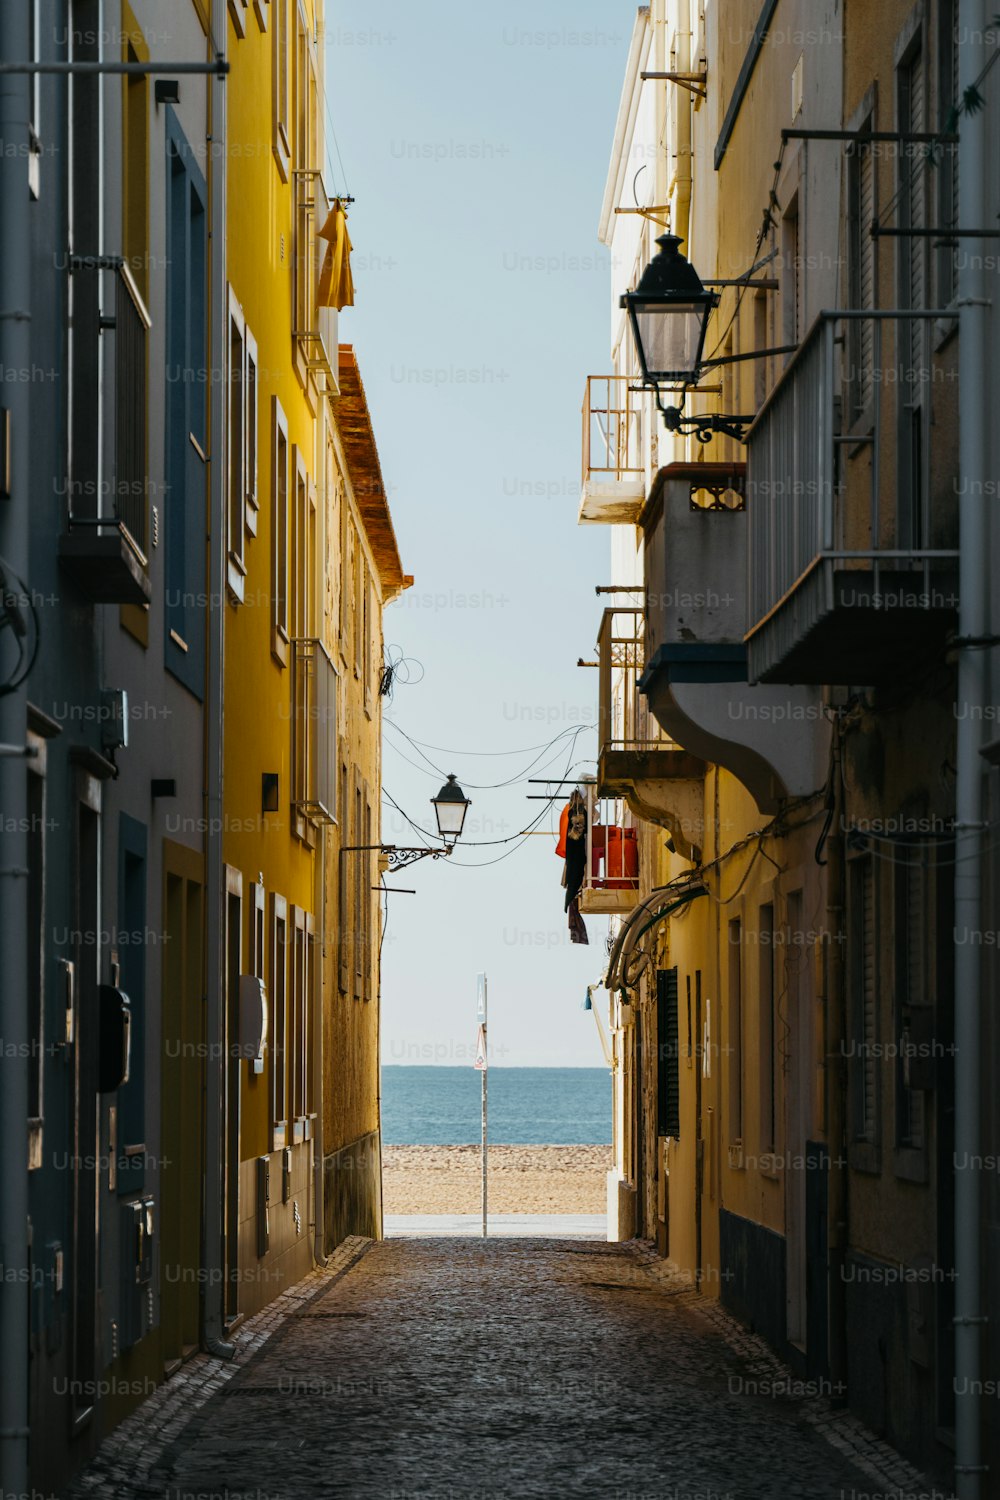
column 15, row 354
column 974, row 537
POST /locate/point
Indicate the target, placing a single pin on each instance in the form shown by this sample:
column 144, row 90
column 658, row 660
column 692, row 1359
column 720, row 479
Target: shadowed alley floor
column 456, row 1368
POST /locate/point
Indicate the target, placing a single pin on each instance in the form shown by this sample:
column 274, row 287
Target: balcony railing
column 132, row 324
column 831, row 545
column 612, row 486
column 314, row 731
column 624, row 721
column 611, row 876
column 105, row 546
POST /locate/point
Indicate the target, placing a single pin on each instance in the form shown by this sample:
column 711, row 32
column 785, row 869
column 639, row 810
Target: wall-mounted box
column 253, row 1020
column 263, row 1198
column 115, row 1034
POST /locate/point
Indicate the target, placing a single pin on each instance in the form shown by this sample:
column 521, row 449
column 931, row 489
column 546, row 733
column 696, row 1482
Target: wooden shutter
column 668, row 1093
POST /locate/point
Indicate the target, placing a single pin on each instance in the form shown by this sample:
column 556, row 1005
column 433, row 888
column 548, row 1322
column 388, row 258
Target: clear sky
column 476, row 140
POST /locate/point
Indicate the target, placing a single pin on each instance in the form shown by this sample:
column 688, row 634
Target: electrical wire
column 436, row 770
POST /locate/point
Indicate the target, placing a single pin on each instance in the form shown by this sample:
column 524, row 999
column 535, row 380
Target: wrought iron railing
column 314, row 731
column 612, row 429
column 802, row 510
column 624, row 719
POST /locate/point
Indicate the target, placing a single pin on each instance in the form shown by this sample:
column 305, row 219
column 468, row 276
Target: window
column 35, row 945
column 312, row 615
column 668, row 1097
column 792, row 281
column 735, row 1032
column 135, row 176
column 346, row 579
column 300, row 540
column 280, row 86
column 947, row 168
column 250, row 384
column 861, row 212
column 366, row 636
column 912, row 277
column 279, row 982
column 236, row 448
column 359, row 883
column 343, row 887
column 257, row 932
column 862, row 958
column 185, row 413
column 366, row 897
column 359, row 608
column 279, row 534
column 238, row 12
column 35, row 85
column 913, row 1012
column 768, row 1106
column 297, row 1026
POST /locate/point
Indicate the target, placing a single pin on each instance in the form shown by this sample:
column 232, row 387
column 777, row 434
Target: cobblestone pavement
column 464, row 1370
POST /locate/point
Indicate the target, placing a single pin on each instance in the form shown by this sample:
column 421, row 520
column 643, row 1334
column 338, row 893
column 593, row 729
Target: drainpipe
column 214, row 1255
column 683, row 103
column 973, row 616
column 835, row 1076
column 15, row 354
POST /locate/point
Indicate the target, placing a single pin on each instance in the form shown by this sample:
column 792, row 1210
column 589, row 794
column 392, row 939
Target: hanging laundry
column 576, row 847
column 336, row 285
column 577, row 926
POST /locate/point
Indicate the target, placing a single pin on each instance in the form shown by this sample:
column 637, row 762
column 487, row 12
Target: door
column 182, row 1116
column 84, row 1105
column 798, row 1113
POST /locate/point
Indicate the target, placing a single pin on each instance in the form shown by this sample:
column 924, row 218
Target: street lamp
column 668, row 313
column 450, row 806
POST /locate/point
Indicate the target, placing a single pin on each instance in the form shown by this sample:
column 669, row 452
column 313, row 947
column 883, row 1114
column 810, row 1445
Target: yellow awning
column 336, row 285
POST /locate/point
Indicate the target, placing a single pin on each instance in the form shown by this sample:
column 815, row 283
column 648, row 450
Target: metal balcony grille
column 131, row 325
column 314, row 731
column 624, row 720
column 826, row 534
column 612, row 429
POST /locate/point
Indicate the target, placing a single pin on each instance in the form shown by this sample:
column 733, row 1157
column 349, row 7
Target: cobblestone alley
column 462, row 1370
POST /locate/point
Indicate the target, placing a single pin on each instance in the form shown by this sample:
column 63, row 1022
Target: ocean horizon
column 427, row 1105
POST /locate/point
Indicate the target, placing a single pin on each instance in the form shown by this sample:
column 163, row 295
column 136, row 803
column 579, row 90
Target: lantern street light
column 668, row 313
column 450, row 806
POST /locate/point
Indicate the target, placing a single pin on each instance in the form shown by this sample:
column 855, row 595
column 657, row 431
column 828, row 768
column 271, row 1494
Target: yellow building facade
column 310, row 560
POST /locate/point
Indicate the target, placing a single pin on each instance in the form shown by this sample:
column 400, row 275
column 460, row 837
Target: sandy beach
column 522, row 1179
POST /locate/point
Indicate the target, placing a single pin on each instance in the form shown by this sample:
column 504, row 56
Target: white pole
column 481, row 1016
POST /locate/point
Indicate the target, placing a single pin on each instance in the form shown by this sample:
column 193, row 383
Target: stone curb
column 898, row 1479
column 125, row 1461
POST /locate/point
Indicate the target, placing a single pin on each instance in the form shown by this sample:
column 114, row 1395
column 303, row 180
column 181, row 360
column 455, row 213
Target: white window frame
column 238, row 13
column 251, row 430
column 279, row 1023
column 235, row 453
column 281, row 87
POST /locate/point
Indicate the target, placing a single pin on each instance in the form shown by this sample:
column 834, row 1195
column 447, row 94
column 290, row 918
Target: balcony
column 314, row 732
column 316, row 328
column 637, row 761
column 104, row 551
column 850, row 573
column 611, row 879
column 613, row 486
column 695, row 675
